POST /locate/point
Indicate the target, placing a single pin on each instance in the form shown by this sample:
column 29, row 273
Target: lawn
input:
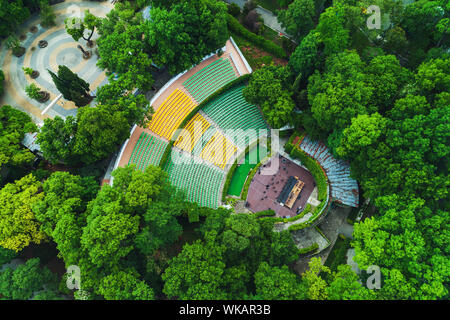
column 242, row 171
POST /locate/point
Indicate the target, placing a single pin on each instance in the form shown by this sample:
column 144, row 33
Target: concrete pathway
column 347, row 230
column 61, row 50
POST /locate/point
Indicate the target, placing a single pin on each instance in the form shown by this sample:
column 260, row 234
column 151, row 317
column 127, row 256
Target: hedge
column 264, row 213
column 299, row 226
column 235, row 27
column 309, row 249
column 315, row 169
column 241, row 79
column 249, row 180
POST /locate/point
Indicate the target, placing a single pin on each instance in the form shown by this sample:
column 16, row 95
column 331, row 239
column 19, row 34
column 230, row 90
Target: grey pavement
column 347, row 230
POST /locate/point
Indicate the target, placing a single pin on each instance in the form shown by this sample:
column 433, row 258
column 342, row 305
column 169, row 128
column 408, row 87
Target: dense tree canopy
column 298, row 19
column 13, row 126
column 181, row 36
column 18, row 224
column 26, row 281
column 268, row 88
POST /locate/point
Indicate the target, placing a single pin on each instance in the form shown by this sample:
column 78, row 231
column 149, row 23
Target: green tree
column 12, row 15
column 107, row 239
column 433, row 77
column 64, row 194
column 307, row 55
column 364, row 131
column 23, row 282
column 316, row 285
column 161, row 228
column 125, row 286
column 298, row 19
column 195, row 273
column 333, row 33
column 47, row 15
column 71, row 86
column 33, row 91
column 266, row 89
column 273, row 283
column 341, row 92
column 345, row 285
column 77, row 26
column 18, row 225
column 13, row 126
column 181, row 36
column 56, row 139
column 6, row 255
column 122, row 49
column 99, row 132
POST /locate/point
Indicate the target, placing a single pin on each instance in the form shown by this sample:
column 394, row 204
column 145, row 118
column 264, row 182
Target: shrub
column 312, row 248
column 47, row 15
column 264, row 213
column 27, row 71
column 298, row 226
column 32, row 91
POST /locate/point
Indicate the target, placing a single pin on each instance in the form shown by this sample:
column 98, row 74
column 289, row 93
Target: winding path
column 61, row 50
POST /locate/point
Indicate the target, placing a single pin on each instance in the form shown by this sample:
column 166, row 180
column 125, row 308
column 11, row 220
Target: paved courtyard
column 61, row 50
column 265, row 189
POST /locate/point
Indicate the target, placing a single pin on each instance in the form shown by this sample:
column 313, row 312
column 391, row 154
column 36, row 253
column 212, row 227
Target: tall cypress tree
column 72, row 87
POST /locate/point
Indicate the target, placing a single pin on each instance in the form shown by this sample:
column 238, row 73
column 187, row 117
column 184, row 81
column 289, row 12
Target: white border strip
column 121, row 153
column 156, row 96
column 241, row 55
column 235, row 64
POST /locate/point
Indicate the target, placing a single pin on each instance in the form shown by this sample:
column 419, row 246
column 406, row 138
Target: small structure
column 290, row 192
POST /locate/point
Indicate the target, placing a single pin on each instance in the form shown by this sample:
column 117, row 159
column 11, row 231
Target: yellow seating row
column 171, row 113
column 218, row 150
column 199, row 124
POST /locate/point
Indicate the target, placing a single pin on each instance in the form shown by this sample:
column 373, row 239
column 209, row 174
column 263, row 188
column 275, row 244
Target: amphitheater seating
column 200, row 182
column 196, row 128
column 171, row 113
column 218, row 150
column 344, row 189
column 209, row 79
column 148, row 150
column 231, row 111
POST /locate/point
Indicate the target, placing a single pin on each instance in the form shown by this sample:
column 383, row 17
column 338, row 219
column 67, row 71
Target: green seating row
column 201, row 183
column 210, row 79
column 147, row 151
column 230, row 110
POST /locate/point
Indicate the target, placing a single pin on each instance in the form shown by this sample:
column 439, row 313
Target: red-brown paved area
column 260, row 198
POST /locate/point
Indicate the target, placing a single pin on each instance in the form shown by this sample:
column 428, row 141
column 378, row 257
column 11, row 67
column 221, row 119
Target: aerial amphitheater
column 218, row 129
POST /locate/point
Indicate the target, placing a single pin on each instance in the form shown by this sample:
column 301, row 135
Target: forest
column 378, row 98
